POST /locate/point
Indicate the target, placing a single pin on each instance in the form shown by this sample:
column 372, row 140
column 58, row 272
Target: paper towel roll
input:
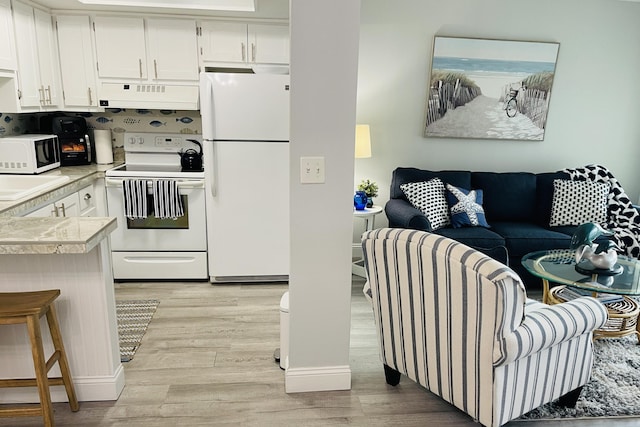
column 104, row 149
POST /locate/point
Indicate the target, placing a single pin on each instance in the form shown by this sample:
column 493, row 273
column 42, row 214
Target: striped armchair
column 459, row 323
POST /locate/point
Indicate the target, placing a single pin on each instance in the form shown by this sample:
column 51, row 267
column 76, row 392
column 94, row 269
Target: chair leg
column 391, row 375
column 39, row 363
column 570, row 399
column 54, row 328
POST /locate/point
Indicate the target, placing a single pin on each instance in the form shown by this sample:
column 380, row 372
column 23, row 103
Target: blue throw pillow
column 465, row 207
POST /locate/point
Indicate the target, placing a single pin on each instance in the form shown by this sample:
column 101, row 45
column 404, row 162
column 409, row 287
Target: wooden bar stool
column 29, row 307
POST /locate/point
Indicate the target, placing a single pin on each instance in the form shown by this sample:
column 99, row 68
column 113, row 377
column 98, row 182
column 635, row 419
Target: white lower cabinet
column 87, row 201
column 66, row 207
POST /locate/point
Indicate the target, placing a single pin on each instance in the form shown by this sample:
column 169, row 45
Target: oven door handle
column 111, row 182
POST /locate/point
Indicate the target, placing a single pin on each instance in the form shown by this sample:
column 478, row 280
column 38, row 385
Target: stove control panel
column 158, row 143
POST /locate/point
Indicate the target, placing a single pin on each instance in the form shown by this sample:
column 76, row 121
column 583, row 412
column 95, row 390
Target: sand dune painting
column 490, row 89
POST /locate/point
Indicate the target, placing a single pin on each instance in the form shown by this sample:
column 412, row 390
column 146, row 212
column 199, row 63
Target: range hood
column 149, row 96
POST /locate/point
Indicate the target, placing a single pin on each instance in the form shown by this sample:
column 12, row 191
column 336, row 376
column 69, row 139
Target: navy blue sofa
column 517, row 207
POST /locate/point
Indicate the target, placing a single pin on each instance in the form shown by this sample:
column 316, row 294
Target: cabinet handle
column 41, row 90
column 253, row 52
column 48, row 91
column 155, row 68
column 87, row 196
column 19, row 94
column 54, row 211
column 90, row 98
column 243, row 52
column 140, row 65
column 64, row 210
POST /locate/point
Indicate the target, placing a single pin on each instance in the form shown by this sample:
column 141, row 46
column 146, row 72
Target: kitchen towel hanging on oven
column 167, row 202
column 135, row 198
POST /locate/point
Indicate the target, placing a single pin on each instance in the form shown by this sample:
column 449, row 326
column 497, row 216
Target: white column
column 324, row 62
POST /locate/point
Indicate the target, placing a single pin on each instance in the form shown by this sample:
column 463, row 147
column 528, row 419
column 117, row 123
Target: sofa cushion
column 406, row 175
column 466, row 207
column 522, row 237
column 508, row 196
column 429, row 198
column 476, row 237
column 577, row 202
column 544, row 195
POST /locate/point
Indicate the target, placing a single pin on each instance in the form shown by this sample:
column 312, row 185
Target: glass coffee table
column 558, row 266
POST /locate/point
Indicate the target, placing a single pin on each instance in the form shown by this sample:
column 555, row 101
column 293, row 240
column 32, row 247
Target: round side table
column 369, row 217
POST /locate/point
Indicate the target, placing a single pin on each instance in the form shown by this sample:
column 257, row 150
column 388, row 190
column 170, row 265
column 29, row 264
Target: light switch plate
column 312, row 170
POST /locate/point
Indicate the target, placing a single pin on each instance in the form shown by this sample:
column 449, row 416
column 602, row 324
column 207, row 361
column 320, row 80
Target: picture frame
column 490, row 89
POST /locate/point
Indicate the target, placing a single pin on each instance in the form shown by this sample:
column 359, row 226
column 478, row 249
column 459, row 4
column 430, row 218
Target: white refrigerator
column 245, row 127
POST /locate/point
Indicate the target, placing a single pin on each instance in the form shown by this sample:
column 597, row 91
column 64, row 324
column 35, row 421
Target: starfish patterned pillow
column 465, row 207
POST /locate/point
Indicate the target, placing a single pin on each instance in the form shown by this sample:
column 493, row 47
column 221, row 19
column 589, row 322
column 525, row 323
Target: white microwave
column 29, row 154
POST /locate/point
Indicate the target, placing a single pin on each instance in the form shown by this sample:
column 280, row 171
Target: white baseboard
column 300, row 380
column 87, row 389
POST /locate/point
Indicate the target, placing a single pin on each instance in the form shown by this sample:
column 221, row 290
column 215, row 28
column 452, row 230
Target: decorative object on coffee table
column 592, row 258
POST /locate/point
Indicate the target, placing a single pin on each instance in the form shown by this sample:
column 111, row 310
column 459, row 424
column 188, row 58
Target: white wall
column 324, row 55
column 593, row 116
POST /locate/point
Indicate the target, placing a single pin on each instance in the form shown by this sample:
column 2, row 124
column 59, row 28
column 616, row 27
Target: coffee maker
column 76, row 147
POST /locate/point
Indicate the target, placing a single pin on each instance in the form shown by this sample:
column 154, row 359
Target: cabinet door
column 31, row 92
column 269, row 44
column 76, row 61
column 120, row 47
column 7, row 53
column 87, row 201
column 47, row 59
column 173, row 49
column 223, row 41
column 68, row 206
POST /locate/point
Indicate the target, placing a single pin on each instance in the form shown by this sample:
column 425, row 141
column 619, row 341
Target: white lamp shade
column 363, row 142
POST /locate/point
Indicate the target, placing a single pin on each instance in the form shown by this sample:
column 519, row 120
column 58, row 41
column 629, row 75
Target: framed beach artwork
column 490, row 89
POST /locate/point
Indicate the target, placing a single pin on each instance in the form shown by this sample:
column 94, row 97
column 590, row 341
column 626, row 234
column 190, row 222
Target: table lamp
column 363, row 142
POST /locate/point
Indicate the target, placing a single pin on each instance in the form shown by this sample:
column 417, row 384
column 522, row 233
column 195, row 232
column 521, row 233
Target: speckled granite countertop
column 38, row 235
column 49, row 235
column 80, row 177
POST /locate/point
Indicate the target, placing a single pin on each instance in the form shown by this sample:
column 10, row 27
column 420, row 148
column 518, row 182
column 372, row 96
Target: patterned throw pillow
column 466, row 207
column 428, row 197
column 577, row 202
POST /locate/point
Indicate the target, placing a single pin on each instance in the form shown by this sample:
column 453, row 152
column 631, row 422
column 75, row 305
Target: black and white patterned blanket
column 623, row 218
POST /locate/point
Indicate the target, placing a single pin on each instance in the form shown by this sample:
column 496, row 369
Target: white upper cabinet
column 7, row 53
column 169, row 53
column 269, row 43
column 172, row 49
column 77, row 63
column 232, row 42
column 223, row 41
column 120, row 47
column 38, row 73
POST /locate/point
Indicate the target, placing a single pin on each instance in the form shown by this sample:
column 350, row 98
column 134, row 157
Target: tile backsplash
column 118, row 120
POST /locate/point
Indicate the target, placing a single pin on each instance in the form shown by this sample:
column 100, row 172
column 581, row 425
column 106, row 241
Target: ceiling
column 276, row 9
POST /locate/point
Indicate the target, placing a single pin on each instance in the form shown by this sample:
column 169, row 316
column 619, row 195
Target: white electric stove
column 155, row 248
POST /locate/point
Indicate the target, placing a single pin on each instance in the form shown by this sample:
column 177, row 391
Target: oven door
column 187, row 233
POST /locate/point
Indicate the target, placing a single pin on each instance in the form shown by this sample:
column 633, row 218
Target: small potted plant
column 371, row 188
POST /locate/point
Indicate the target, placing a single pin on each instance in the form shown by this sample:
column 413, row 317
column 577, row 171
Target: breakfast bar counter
column 73, row 255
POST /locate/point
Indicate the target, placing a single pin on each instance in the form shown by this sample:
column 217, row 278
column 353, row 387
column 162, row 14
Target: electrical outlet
column 312, row 170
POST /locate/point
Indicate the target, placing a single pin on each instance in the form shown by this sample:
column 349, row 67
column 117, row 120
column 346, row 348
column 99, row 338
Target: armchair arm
column 551, row 325
column 402, row 214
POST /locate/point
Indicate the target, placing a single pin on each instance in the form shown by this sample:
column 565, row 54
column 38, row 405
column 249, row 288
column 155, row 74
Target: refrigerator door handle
column 212, row 169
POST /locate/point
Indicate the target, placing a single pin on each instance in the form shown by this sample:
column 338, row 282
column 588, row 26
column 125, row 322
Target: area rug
column 614, row 389
column 133, row 319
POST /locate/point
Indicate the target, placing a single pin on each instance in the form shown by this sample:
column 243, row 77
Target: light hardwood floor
column 207, row 360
